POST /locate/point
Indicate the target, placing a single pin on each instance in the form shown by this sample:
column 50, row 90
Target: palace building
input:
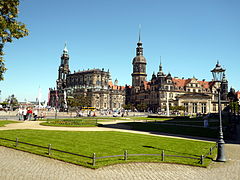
column 157, row 95
column 194, row 95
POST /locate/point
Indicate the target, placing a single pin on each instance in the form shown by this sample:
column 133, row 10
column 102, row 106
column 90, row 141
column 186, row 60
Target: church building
column 93, row 84
column 158, row 94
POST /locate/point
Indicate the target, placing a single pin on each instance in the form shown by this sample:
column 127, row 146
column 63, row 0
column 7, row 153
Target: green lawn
column 92, row 121
column 3, row 123
column 194, row 123
column 72, row 122
column 107, row 144
column 148, row 118
column 183, row 130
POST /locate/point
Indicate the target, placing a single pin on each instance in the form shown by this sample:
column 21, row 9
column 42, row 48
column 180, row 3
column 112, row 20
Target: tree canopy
column 79, row 101
column 10, row 28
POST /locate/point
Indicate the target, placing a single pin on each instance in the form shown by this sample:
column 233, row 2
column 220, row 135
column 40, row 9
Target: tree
column 234, row 107
column 10, row 28
column 128, row 106
column 142, row 107
column 177, row 108
column 12, row 102
column 78, row 101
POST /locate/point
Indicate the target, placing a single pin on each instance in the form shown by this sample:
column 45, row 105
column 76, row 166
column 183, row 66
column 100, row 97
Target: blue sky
column 189, row 35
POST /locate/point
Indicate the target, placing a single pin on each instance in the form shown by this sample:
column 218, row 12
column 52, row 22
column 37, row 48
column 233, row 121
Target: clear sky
column 189, row 35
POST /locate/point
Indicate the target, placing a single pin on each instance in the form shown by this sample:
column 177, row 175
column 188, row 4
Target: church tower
column 63, row 70
column 139, row 65
column 224, row 88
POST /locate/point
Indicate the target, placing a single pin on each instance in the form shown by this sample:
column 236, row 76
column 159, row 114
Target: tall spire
column 65, row 50
column 160, row 73
column 160, row 66
column 139, row 51
column 139, row 38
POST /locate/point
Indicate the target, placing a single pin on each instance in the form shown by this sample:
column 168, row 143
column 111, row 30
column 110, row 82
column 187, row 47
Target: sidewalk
column 36, row 125
column 20, row 165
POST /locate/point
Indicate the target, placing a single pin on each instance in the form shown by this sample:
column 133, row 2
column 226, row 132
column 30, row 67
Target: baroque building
column 95, row 84
column 163, row 90
column 157, row 95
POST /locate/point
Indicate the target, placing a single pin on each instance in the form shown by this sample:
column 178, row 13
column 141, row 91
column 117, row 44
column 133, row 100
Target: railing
column 49, row 148
column 125, row 154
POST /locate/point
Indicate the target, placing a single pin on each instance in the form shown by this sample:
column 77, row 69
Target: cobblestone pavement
column 18, row 165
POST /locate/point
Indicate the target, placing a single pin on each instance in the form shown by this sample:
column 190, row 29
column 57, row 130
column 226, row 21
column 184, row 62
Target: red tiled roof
column 238, row 94
column 110, row 83
column 181, row 82
column 205, row 84
column 146, row 84
column 114, row 87
column 184, row 82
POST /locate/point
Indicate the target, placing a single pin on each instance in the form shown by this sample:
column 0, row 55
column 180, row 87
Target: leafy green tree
column 79, row 101
column 177, row 108
column 10, row 28
column 142, row 107
column 11, row 101
column 234, row 107
column 128, row 106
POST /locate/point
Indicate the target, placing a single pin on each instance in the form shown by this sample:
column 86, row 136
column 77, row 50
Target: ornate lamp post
column 217, row 77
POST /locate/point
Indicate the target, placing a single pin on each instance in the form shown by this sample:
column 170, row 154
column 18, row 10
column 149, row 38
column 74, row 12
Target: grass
column 183, row 130
column 92, row 121
column 194, row 123
column 3, row 123
column 149, row 118
column 71, row 123
column 106, row 144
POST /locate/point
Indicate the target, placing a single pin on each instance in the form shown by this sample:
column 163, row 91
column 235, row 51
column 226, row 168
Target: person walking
column 35, row 114
column 20, row 114
column 29, row 112
column 24, row 114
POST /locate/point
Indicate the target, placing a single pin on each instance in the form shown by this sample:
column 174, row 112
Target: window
column 214, row 107
column 194, row 106
column 186, row 107
column 204, row 108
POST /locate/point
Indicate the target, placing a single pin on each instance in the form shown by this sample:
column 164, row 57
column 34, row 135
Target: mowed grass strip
column 92, row 121
column 107, row 144
column 71, row 123
column 174, row 129
column 3, row 123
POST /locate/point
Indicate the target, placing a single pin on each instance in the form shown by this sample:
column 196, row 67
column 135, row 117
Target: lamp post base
column 220, row 151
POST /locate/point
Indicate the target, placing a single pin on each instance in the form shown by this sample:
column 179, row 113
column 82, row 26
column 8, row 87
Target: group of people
column 27, row 114
column 89, row 114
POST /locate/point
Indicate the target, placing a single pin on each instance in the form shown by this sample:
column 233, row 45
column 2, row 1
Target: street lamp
column 217, row 77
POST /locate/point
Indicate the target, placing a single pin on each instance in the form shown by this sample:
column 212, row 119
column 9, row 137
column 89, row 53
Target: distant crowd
column 29, row 114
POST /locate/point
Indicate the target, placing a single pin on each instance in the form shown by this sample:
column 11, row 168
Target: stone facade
column 95, row 84
column 161, row 92
column 194, row 95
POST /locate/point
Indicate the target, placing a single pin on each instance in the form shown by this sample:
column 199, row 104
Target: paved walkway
column 16, row 165
column 36, row 125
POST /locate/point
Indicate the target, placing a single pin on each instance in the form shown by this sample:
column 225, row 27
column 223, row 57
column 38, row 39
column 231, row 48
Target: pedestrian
column 29, row 112
column 20, row 114
column 25, row 114
column 35, row 114
column 41, row 115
